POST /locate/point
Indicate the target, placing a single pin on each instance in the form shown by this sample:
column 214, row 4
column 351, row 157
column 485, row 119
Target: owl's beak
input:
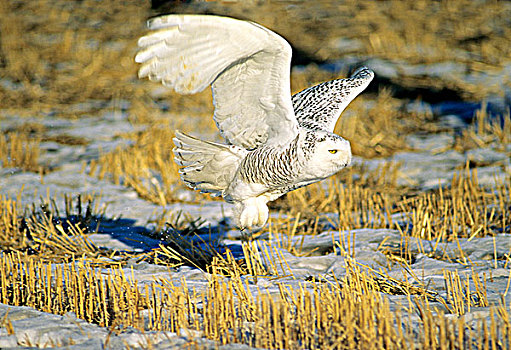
column 346, row 153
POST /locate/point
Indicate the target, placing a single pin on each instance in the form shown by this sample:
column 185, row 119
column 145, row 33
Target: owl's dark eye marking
column 333, row 151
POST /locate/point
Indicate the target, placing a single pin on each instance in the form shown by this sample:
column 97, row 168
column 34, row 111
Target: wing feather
column 247, row 65
column 320, row 106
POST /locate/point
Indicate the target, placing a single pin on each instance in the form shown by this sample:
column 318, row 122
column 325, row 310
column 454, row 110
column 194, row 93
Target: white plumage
column 275, row 143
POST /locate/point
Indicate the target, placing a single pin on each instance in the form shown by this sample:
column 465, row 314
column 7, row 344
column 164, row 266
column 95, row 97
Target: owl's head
column 330, row 153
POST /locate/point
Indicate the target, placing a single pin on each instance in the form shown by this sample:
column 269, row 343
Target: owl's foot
column 246, row 234
column 252, row 213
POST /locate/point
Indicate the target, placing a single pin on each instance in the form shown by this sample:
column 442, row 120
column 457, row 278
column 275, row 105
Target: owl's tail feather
column 207, row 166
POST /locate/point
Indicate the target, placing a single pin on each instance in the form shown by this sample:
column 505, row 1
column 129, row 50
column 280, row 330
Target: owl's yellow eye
column 333, row 151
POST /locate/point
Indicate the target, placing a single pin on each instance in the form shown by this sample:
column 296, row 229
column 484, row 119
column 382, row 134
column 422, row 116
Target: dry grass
column 183, row 246
column 484, row 131
column 466, row 210
column 463, row 209
column 41, row 230
column 417, row 31
column 375, row 129
column 20, row 146
column 77, row 52
column 148, row 166
column 82, row 51
column 19, row 150
column 65, row 288
column 345, row 314
column 74, row 52
column 459, row 296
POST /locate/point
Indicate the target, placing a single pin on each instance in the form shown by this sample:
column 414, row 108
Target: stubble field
column 102, row 246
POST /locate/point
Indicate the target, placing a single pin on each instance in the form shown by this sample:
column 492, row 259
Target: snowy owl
column 275, row 142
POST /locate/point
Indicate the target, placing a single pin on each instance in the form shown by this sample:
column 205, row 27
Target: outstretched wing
column 319, row 106
column 247, row 65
